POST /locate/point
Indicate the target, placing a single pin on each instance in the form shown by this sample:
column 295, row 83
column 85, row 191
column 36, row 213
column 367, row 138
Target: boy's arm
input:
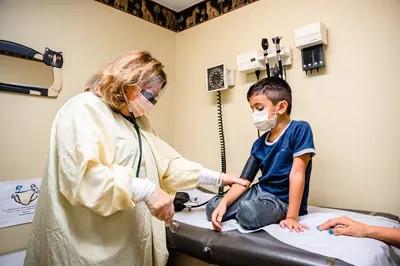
column 231, row 196
column 296, row 188
column 247, row 176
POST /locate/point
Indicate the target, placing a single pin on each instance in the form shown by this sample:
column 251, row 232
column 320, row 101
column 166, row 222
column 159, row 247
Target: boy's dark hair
column 276, row 89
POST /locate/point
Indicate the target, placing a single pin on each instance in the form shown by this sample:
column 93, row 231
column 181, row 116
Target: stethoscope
column 152, row 99
column 132, row 119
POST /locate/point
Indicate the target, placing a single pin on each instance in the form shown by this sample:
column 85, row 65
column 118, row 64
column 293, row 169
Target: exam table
column 235, row 248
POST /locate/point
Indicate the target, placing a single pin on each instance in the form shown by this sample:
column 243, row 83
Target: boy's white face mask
column 261, row 121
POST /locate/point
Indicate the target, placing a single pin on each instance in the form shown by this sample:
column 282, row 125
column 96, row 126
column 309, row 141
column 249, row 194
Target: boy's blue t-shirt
column 276, row 160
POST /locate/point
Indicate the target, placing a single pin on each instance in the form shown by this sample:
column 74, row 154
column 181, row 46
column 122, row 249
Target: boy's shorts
column 254, row 209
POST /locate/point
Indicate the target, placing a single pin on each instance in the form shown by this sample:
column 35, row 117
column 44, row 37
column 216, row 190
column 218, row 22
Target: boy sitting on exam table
column 283, row 154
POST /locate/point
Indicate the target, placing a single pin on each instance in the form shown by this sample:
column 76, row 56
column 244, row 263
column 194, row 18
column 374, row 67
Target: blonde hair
column 130, row 68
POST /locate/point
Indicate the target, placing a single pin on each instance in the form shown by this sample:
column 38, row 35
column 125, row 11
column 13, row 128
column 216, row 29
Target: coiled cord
column 221, row 138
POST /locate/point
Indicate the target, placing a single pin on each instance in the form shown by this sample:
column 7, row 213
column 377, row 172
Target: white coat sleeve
column 175, row 172
column 87, row 174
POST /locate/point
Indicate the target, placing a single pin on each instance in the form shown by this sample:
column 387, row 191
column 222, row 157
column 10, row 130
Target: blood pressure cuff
column 250, row 168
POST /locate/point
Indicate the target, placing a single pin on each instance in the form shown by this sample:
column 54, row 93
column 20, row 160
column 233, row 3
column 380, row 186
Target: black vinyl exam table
column 234, row 248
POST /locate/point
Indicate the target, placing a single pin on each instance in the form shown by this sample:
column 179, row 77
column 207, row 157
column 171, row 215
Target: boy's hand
column 217, row 216
column 293, row 224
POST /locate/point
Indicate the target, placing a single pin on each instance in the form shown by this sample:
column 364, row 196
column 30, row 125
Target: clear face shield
column 148, row 91
column 151, row 89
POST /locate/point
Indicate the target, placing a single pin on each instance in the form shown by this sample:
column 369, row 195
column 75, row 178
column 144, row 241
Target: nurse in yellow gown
column 93, row 209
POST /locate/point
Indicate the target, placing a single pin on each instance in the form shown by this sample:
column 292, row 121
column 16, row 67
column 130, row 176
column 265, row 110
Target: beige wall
column 89, row 34
column 353, row 107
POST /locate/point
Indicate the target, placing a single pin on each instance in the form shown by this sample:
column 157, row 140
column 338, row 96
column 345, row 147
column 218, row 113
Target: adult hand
column 345, row 226
column 161, row 206
column 229, row 180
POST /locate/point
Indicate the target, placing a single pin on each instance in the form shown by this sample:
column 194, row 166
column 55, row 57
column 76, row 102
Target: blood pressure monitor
column 217, row 78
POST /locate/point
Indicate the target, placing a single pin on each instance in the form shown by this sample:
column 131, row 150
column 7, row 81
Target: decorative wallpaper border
column 176, row 21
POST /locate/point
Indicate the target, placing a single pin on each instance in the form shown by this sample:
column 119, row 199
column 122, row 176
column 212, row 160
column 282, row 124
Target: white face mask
column 261, row 121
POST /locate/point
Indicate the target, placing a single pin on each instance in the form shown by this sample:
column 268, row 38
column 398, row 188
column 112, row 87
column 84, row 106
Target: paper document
column 18, row 199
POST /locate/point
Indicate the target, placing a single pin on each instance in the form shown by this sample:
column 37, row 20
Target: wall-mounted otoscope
column 276, row 41
column 268, row 60
column 264, row 45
